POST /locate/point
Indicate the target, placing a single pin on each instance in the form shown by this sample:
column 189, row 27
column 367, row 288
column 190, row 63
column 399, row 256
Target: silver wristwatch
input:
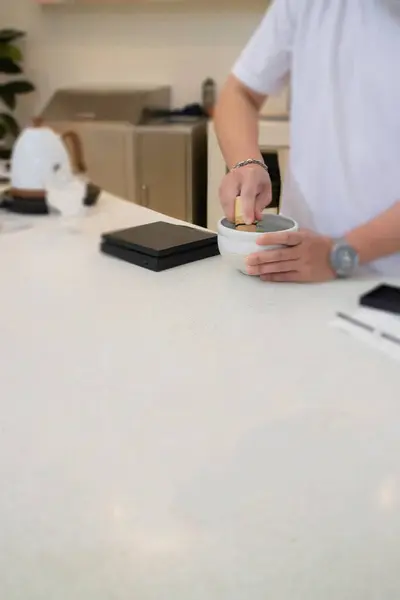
column 344, row 258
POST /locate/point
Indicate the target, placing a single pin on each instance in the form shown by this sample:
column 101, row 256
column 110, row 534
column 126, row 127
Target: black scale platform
column 159, row 246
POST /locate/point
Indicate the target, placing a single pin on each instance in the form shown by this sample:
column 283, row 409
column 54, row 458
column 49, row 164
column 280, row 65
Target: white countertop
column 187, row 435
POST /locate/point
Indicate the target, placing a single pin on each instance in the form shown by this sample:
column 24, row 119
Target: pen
column 390, row 338
column 354, row 321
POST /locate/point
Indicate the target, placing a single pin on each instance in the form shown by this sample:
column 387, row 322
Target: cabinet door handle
column 145, row 196
column 85, row 116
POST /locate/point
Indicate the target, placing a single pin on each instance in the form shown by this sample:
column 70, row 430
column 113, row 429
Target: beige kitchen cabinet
column 171, row 170
column 161, row 174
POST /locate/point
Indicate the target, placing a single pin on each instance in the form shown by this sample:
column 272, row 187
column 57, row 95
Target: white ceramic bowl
column 235, row 246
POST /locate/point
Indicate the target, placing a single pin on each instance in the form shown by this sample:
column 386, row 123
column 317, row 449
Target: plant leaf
column 9, row 99
column 9, row 124
column 9, row 92
column 19, row 87
column 10, row 51
column 14, row 88
column 9, row 67
column 9, row 35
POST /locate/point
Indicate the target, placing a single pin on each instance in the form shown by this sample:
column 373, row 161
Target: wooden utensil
column 240, row 225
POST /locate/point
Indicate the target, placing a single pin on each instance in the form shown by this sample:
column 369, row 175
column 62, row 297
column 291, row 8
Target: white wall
column 180, row 44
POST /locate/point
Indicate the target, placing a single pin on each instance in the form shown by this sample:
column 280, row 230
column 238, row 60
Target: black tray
column 38, row 206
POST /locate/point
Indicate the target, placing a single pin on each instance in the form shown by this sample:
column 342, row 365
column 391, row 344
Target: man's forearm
column 236, row 123
column 379, row 237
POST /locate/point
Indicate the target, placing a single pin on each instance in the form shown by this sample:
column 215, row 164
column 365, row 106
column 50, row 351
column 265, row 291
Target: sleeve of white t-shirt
column 265, row 63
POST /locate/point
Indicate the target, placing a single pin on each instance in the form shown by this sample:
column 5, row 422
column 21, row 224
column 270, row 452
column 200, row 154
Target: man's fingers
column 289, row 277
column 284, row 238
column 228, row 192
column 255, row 201
column 274, row 256
column 283, row 266
column 263, row 200
column 248, row 196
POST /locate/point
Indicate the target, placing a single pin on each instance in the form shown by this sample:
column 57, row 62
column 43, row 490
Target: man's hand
column 253, row 184
column 304, row 259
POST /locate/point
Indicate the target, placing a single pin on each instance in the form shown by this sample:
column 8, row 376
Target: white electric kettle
column 38, row 153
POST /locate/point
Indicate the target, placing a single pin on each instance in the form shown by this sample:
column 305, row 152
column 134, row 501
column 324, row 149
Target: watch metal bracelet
column 250, row 161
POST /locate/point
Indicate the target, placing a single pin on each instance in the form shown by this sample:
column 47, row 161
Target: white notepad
column 376, row 328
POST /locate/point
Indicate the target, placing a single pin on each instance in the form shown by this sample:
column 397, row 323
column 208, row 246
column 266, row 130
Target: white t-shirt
column 343, row 58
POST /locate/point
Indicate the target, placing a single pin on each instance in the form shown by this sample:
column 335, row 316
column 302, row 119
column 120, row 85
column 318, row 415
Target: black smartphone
column 383, row 297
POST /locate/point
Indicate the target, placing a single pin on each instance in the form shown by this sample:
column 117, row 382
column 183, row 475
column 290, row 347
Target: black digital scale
column 37, row 205
column 159, row 246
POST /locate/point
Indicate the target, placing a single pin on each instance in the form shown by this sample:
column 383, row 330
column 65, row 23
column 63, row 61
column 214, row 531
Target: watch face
column 344, row 260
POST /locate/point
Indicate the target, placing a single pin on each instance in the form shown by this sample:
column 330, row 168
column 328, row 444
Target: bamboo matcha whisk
column 240, row 225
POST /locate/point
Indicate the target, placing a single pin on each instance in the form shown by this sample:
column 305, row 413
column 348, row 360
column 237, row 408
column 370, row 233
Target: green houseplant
column 12, row 85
